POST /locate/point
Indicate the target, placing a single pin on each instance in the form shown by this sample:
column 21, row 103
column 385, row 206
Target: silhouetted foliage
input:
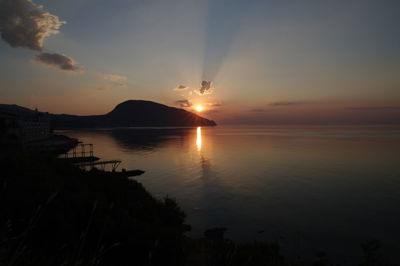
column 371, row 252
column 220, row 252
column 215, row 233
column 55, row 214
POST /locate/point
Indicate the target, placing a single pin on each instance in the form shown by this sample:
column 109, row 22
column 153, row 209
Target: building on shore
column 25, row 126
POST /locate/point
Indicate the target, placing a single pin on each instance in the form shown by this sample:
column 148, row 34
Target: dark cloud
column 257, row 110
column 205, row 86
column 213, row 111
column 180, row 88
column 288, row 103
column 184, row 103
column 291, row 103
column 25, row 24
column 59, row 61
column 374, row 108
column 114, row 78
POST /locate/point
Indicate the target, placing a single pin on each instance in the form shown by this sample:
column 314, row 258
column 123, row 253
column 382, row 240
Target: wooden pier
column 114, row 164
column 83, row 152
column 82, row 156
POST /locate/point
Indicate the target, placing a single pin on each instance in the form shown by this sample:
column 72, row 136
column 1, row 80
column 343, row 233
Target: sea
column 312, row 189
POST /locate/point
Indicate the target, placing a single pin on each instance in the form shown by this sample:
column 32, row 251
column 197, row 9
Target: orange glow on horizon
column 199, row 108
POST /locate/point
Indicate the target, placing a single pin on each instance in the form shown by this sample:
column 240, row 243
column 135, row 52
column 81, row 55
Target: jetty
column 82, row 156
column 114, row 164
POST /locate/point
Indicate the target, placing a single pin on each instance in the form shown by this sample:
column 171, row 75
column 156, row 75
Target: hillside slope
column 133, row 113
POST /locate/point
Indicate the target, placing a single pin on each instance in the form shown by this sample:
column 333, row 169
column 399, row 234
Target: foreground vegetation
column 56, row 214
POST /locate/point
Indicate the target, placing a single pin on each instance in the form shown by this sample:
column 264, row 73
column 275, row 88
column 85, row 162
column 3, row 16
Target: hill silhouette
column 15, row 109
column 133, row 113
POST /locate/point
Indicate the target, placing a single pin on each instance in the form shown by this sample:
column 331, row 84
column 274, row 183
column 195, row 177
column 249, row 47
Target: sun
column 199, row 108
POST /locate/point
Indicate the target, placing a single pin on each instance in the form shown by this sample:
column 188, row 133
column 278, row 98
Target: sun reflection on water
column 198, row 139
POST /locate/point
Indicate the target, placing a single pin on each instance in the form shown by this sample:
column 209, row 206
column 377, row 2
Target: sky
column 244, row 61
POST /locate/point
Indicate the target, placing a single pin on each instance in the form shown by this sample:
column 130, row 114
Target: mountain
column 15, row 109
column 133, row 113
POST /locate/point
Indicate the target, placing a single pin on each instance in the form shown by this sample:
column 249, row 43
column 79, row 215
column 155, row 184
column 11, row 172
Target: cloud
column 180, row 88
column 210, row 112
column 113, row 77
column 25, row 24
column 59, row 61
column 214, row 104
column 257, row 110
column 184, row 103
column 205, row 87
column 374, row 108
column 207, row 92
column 290, row 103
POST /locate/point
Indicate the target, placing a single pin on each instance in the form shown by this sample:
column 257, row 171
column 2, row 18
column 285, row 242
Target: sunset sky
column 269, row 62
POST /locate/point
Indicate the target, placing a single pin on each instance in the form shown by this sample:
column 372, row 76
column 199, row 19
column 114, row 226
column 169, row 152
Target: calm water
column 310, row 188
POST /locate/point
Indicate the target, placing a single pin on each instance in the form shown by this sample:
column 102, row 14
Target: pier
column 82, row 156
column 114, row 164
column 82, row 152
